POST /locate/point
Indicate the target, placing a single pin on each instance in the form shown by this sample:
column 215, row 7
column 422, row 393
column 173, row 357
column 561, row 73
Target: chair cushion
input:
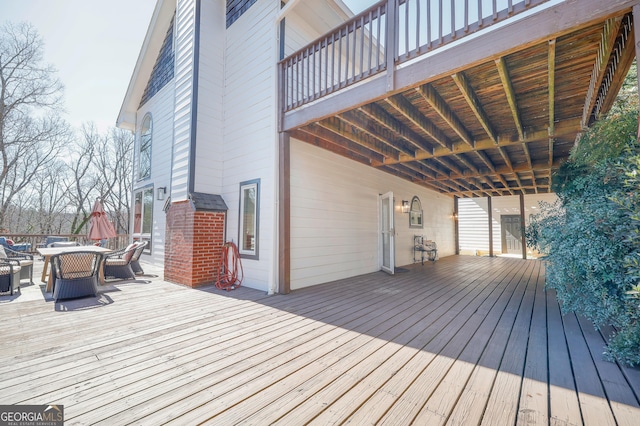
column 5, row 270
column 24, row 263
column 115, row 262
column 3, row 254
column 129, row 252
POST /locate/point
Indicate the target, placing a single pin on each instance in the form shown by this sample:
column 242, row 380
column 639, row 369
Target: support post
column 522, row 227
column 392, row 42
column 456, row 224
column 284, row 214
column 490, row 210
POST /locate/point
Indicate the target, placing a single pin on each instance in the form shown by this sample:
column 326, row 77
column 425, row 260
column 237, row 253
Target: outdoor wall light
column 405, row 206
column 161, row 191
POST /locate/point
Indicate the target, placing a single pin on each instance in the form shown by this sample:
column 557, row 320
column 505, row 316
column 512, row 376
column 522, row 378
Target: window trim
column 148, row 176
column 142, row 236
column 416, row 216
column 249, row 254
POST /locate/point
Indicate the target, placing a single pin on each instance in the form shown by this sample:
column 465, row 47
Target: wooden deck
column 465, row 340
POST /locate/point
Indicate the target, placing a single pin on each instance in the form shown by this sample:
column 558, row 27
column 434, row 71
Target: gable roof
column 153, row 41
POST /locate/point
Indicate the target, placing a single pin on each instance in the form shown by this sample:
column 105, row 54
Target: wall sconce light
column 161, row 191
column 405, row 206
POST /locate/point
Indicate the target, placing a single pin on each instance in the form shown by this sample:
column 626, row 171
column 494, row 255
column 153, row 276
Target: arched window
column 415, row 213
column 144, row 156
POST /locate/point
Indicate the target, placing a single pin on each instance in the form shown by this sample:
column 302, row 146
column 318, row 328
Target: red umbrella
column 100, row 228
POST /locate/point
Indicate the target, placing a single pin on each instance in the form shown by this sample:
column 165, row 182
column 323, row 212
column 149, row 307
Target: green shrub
column 591, row 236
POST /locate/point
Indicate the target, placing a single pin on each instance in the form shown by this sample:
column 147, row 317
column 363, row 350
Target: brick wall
column 193, row 245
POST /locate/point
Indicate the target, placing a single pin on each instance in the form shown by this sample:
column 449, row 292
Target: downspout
column 194, row 100
column 275, row 260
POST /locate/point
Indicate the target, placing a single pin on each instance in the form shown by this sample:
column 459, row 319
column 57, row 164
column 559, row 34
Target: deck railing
column 382, row 37
column 38, row 240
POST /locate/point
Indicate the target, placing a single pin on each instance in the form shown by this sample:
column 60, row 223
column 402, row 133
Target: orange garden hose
column 230, row 273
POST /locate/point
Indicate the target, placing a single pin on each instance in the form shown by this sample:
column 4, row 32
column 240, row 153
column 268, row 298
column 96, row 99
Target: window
column 415, row 214
column 144, row 156
column 249, row 223
column 143, row 216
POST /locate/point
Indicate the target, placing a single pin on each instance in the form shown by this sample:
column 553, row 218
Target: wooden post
column 391, row 44
column 456, row 224
column 284, row 214
column 522, row 227
column 489, row 208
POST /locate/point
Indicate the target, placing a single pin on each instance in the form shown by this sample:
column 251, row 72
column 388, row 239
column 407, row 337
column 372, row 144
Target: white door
column 387, row 255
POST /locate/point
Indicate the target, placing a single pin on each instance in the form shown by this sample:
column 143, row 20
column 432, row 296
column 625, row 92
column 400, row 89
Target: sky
column 94, row 45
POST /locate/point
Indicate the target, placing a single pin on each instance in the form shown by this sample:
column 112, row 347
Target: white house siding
column 473, row 225
column 160, row 106
column 335, row 217
column 183, row 75
column 473, row 220
column 208, row 158
column 250, row 134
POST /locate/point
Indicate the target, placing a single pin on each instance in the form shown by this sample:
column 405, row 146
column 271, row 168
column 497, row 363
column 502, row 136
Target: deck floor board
column 463, row 340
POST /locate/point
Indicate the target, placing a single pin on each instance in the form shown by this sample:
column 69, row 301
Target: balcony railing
column 382, row 37
column 38, row 240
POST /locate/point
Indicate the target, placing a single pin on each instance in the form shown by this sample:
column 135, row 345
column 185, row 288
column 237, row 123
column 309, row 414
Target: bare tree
column 31, row 131
column 83, row 179
column 114, row 163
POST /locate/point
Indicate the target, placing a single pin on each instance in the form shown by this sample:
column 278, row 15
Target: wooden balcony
column 464, row 340
column 470, row 98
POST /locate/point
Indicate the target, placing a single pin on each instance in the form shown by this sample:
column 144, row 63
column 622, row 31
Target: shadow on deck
column 462, row 340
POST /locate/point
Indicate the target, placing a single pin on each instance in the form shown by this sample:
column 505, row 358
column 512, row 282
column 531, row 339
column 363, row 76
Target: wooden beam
column 565, row 128
column 552, row 97
column 522, row 227
column 323, row 138
column 419, row 167
column 284, row 213
column 507, row 161
column 338, row 127
column 501, row 170
column 408, row 110
column 382, row 117
column 456, row 224
column 382, row 135
column 440, row 106
column 507, row 85
column 445, row 179
column 490, row 210
column 491, row 167
column 551, row 80
column 472, row 100
column 398, row 170
column 542, row 24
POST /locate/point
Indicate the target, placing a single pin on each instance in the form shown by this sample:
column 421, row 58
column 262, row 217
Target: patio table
column 47, row 252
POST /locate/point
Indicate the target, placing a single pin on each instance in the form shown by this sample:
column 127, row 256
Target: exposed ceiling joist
column 411, row 113
column 382, row 117
column 472, row 100
column 511, row 94
column 440, row 106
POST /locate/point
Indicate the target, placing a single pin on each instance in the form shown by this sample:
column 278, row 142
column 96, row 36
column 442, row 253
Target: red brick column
column 193, row 244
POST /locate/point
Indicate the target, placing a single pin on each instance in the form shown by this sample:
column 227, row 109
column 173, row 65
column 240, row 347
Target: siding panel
column 250, row 136
column 185, row 18
column 209, row 159
column 334, row 217
column 160, row 106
